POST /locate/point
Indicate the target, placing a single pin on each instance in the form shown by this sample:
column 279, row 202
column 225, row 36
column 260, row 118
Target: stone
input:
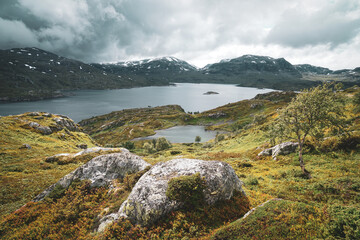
column 256, row 105
column 65, row 122
column 148, row 202
column 57, row 157
column 217, row 115
column 45, row 130
column 33, row 114
column 82, row 146
column 101, row 171
column 284, row 148
column 25, row 146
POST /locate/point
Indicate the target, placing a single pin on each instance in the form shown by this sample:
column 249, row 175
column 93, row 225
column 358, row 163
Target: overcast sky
column 320, row 32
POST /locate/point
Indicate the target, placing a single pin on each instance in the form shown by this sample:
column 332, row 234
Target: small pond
column 183, row 134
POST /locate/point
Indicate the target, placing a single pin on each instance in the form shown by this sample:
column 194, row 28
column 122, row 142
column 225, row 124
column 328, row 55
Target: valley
column 324, row 207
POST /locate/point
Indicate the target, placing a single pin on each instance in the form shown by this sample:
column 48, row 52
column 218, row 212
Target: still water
column 87, row 103
column 183, row 134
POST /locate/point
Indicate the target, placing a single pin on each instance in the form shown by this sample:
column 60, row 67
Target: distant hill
column 307, row 68
column 32, row 73
column 164, row 69
column 251, row 64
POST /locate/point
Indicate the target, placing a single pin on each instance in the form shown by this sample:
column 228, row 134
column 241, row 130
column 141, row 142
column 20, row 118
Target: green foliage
column 162, row 144
column 57, row 192
column 156, row 145
column 311, row 113
column 128, row 145
column 344, row 223
column 192, row 223
column 197, row 139
column 187, row 189
column 277, row 220
column 251, row 180
column 175, row 152
column 131, row 179
column 356, row 101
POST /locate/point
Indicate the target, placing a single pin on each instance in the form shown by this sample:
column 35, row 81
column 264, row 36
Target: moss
column 277, row 220
column 187, row 189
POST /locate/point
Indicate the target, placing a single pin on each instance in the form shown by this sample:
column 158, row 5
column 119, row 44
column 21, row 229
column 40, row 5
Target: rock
column 47, row 114
column 148, row 202
column 266, row 152
column 280, row 149
column 33, row 114
column 25, row 146
column 56, row 157
column 256, row 105
column 65, row 122
column 82, row 146
column 45, row 130
column 217, row 115
column 96, row 149
column 284, row 149
column 101, row 171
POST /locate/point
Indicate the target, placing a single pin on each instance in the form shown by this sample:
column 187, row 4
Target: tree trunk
column 302, row 165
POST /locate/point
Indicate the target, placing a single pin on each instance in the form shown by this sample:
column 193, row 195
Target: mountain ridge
column 33, row 74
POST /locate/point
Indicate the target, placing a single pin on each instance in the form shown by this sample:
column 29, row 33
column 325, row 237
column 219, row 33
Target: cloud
column 333, row 24
column 15, row 33
column 199, row 31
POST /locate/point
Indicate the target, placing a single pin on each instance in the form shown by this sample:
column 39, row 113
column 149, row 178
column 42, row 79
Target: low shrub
column 187, row 189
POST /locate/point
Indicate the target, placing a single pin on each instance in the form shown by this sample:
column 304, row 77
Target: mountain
column 32, row 73
column 165, row 68
column 307, row 68
column 251, row 64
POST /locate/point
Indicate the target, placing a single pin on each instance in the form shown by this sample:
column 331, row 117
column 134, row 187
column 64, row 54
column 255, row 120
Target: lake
column 87, row 103
column 183, row 134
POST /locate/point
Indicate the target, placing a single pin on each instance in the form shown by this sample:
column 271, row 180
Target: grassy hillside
column 24, row 173
column 324, row 207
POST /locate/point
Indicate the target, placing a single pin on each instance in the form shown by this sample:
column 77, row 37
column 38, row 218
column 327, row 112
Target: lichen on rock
column 101, row 171
column 148, row 201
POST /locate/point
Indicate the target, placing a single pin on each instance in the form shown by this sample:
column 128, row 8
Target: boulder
column 101, row 171
column 280, row 149
column 148, row 202
column 45, row 130
column 65, row 122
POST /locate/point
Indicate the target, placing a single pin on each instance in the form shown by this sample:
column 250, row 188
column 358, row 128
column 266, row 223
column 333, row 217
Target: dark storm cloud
column 200, row 31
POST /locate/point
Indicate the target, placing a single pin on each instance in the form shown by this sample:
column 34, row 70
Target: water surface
column 183, row 134
column 87, row 103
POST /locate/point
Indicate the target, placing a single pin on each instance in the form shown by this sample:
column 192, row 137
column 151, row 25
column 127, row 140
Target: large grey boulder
column 284, row 148
column 148, row 202
column 101, row 171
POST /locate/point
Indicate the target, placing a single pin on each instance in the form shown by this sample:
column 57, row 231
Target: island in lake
column 210, row 93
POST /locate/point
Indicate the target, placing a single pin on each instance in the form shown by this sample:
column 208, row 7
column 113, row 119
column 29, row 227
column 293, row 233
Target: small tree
column 197, row 139
column 311, row 113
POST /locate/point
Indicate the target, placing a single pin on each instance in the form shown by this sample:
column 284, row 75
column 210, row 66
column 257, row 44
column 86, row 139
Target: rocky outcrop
column 60, row 122
column 280, row 149
column 101, row 170
column 45, row 130
column 65, row 122
column 57, row 157
column 148, row 202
